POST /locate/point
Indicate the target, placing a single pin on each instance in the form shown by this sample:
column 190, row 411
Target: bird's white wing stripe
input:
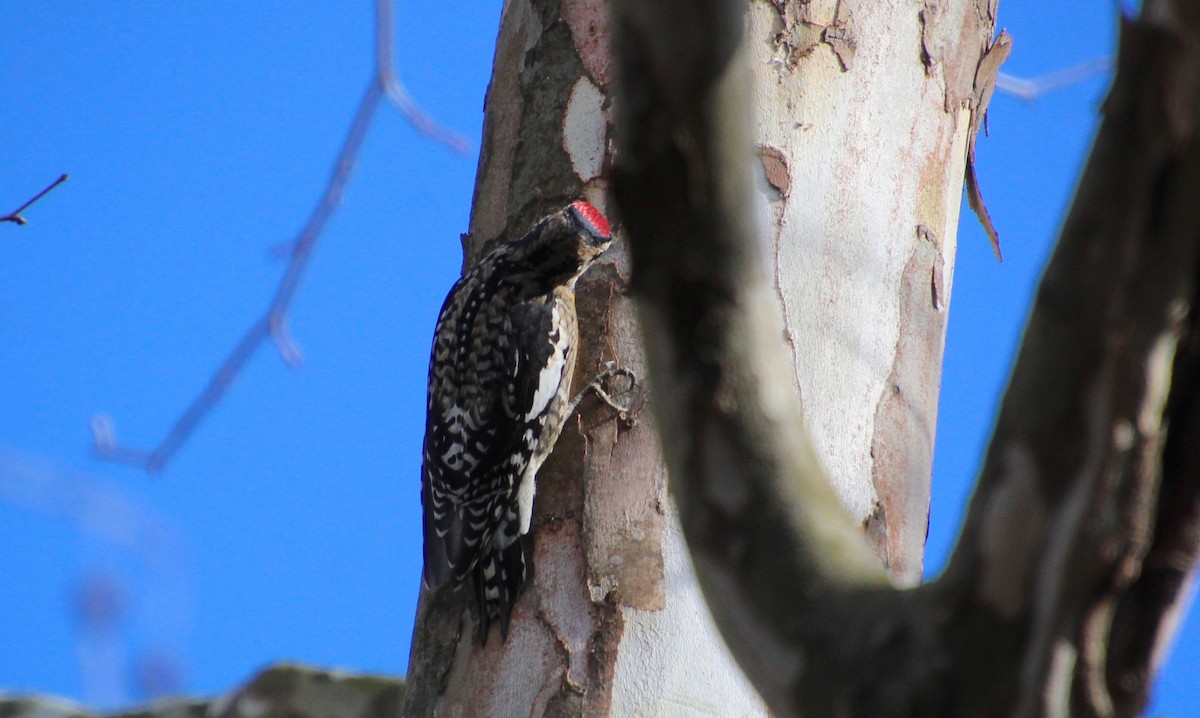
column 548, row 381
column 550, row 376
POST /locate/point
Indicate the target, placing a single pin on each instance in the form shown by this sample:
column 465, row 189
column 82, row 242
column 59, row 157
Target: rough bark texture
column 1084, row 527
column 611, row 622
column 277, row 692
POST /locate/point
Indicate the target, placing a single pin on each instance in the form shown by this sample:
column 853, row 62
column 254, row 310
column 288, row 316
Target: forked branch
column 273, row 324
column 1079, row 523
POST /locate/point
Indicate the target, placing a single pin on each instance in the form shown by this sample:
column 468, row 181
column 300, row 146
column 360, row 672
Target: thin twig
column 15, row 216
column 113, row 519
column 393, row 87
column 273, row 324
column 1031, row 89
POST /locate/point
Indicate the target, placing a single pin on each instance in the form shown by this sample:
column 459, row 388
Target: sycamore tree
column 785, row 181
column 739, row 529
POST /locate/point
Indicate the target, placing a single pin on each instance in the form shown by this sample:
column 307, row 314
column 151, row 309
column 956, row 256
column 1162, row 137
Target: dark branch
column 770, row 541
column 1061, row 537
column 1063, row 520
column 15, row 216
column 273, row 324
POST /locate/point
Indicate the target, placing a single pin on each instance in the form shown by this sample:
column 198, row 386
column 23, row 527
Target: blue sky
column 199, row 135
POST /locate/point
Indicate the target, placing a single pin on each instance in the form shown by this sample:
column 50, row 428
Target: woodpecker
column 499, row 377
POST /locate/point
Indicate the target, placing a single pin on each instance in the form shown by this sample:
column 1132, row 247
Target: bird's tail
column 499, row 576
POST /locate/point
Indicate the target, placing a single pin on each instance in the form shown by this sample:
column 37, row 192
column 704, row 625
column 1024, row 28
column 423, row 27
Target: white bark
column 613, row 621
column 1082, row 528
column 862, row 152
column 672, row 661
column 864, row 142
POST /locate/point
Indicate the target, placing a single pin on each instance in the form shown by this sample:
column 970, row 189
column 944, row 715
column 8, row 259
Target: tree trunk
column 1085, row 524
column 866, row 112
column 864, row 115
column 611, row 622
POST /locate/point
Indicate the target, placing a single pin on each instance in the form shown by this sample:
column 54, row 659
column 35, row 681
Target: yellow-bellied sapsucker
column 499, row 375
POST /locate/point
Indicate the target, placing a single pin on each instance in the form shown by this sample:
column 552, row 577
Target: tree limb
column 272, row 325
column 1064, row 518
column 1067, row 503
column 768, row 536
column 15, row 215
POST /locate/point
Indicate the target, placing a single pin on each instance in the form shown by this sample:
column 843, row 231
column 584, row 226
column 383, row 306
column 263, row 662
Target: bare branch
column 273, row 324
column 1064, row 517
column 110, row 519
column 15, row 216
column 389, row 79
column 769, row 538
column 1030, row 89
column 1061, row 537
column 1147, row 616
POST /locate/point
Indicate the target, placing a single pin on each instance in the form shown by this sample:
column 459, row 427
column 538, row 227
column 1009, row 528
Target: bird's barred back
column 500, row 368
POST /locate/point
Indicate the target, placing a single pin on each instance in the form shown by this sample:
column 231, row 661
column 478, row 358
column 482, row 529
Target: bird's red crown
column 591, row 217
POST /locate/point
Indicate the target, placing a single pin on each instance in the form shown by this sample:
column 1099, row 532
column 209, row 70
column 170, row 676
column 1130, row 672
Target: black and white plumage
column 499, row 376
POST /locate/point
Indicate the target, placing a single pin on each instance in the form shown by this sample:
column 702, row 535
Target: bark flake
column 985, row 85
column 775, row 167
column 803, row 32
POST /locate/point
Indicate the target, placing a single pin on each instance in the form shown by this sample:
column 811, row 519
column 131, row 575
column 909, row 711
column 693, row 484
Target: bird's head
column 561, row 246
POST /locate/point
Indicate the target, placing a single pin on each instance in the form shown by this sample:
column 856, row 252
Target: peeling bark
column 1093, row 403
column 853, row 188
column 809, row 25
column 610, row 602
column 1086, row 522
column 985, row 85
column 848, row 274
column 903, row 449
